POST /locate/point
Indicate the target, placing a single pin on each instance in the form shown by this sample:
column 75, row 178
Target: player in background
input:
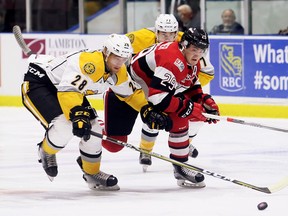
column 55, row 89
column 165, row 29
column 168, row 73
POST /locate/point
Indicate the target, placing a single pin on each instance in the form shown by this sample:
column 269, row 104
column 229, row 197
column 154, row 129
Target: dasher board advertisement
column 14, row 63
column 250, row 66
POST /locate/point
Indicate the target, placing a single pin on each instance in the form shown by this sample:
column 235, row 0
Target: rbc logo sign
column 230, row 67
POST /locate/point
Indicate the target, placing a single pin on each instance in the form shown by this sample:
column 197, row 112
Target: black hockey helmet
column 195, row 36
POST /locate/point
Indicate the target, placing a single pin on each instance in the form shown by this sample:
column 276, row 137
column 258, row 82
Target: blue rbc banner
column 250, row 66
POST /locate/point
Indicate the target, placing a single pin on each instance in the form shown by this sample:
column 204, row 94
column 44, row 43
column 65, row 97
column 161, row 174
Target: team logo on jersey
column 131, row 38
column 179, row 64
column 89, row 68
column 230, row 67
column 36, row 45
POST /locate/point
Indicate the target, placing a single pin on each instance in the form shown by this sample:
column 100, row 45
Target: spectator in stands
column 2, row 20
column 283, row 31
column 187, row 17
column 229, row 25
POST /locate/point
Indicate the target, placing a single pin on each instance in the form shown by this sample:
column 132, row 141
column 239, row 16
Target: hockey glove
column 81, row 125
column 189, row 109
column 155, row 119
column 210, row 107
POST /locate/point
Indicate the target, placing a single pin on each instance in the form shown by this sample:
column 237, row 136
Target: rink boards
column 251, row 75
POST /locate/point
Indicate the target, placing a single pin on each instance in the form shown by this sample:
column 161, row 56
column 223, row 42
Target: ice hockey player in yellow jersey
column 55, row 89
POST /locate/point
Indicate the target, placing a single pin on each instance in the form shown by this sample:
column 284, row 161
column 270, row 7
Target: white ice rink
column 252, row 155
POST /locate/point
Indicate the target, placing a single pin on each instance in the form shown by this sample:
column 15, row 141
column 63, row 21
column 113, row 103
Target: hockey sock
column 112, row 147
column 144, row 144
column 90, row 168
column 47, row 148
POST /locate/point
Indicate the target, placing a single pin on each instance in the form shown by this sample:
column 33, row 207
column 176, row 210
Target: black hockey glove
column 80, row 118
column 155, row 119
column 210, row 107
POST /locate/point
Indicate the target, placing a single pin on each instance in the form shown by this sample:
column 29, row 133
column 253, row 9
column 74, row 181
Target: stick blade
column 279, row 185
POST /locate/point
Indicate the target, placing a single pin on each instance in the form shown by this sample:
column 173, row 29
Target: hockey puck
column 262, row 205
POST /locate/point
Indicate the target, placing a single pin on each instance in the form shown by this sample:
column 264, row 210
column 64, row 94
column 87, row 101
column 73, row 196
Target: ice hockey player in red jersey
column 168, row 73
column 165, row 29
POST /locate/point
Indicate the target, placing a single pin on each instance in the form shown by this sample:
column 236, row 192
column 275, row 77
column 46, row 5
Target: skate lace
column 188, row 172
column 145, row 156
column 50, row 160
column 101, row 177
column 191, row 148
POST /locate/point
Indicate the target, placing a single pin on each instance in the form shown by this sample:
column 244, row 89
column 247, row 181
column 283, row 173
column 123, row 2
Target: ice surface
column 252, row 155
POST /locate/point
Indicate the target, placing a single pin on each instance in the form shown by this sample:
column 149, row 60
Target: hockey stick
column 238, row 121
column 271, row 189
column 20, row 40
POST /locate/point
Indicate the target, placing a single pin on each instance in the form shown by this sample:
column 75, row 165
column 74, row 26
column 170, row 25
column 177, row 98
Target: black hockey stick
column 20, row 40
column 271, row 189
column 239, row 121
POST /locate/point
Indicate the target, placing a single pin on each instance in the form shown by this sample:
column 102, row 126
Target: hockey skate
column 99, row 181
column 193, row 152
column 145, row 160
column 188, row 178
column 49, row 162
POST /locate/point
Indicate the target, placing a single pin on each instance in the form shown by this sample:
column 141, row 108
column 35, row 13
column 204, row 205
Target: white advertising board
column 14, row 62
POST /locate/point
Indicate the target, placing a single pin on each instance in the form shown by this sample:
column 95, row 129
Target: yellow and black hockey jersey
column 82, row 73
column 143, row 38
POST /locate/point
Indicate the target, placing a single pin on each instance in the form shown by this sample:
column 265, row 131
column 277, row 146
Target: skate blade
column 144, row 168
column 103, row 188
column 50, row 178
column 186, row 184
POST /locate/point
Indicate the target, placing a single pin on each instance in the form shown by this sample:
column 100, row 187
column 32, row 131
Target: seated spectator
column 2, row 20
column 229, row 25
column 283, row 31
column 187, row 17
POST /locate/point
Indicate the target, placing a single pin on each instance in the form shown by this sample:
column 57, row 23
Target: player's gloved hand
column 210, row 107
column 80, row 117
column 189, row 109
column 155, row 119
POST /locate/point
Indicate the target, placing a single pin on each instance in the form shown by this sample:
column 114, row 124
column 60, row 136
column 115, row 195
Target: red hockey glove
column 210, row 107
column 155, row 119
column 189, row 109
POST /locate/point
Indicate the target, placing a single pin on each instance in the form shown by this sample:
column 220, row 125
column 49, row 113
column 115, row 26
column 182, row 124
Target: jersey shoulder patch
column 89, row 68
column 179, row 64
column 92, row 64
column 141, row 39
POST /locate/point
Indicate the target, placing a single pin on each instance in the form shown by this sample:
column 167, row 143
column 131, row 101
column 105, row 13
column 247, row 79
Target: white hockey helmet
column 119, row 45
column 166, row 23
